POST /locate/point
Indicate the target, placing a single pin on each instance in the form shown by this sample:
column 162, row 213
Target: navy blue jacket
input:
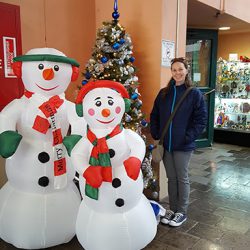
column 188, row 122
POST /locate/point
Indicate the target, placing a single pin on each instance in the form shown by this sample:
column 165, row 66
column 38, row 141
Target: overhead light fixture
column 224, row 28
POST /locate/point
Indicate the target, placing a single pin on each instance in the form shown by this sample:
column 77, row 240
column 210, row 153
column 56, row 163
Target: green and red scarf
column 100, row 157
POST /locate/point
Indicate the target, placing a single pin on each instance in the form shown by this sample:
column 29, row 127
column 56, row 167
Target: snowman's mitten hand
column 9, row 141
column 70, row 141
column 93, row 176
column 132, row 166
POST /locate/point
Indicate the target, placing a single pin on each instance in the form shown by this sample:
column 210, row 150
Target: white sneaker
column 178, row 219
column 167, row 217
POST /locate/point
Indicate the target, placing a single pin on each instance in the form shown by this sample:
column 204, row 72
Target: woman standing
column 179, row 141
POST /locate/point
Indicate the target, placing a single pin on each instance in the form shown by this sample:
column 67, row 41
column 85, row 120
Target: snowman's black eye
column 98, row 103
column 110, row 102
column 56, row 67
column 40, row 66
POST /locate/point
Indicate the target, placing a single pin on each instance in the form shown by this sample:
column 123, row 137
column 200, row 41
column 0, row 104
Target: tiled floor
column 219, row 211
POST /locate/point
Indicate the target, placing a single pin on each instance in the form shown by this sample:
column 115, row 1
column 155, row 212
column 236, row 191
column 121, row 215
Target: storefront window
column 198, row 54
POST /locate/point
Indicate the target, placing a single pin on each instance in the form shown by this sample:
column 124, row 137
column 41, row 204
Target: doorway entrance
column 10, row 46
column 201, row 53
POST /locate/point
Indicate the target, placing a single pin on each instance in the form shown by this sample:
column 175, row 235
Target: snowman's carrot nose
column 105, row 112
column 48, row 74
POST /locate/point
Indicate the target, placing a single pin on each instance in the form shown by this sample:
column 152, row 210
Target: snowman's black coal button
column 43, row 181
column 116, row 183
column 111, row 153
column 119, row 202
column 43, row 157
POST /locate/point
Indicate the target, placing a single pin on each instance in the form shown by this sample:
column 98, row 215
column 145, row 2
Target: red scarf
column 42, row 125
column 100, row 157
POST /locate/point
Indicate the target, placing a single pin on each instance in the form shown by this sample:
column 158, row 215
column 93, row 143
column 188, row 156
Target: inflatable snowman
column 39, row 203
column 114, row 213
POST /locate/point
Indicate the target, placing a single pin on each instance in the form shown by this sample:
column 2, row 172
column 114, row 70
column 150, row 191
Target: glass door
column 201, row 54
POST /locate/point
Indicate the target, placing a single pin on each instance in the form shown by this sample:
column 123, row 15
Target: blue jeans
column 176, row 164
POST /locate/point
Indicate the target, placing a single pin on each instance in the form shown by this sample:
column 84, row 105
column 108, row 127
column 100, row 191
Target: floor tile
column 206, row 205
column 235, row 241
column 203, row 244
column 219, row 210
column 233, row 213
column 232, row 224
column 206, row 231
column 178, row 239
column 197, row 214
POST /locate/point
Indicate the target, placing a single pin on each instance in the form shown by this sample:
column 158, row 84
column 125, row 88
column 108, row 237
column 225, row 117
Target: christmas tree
column 112, row 59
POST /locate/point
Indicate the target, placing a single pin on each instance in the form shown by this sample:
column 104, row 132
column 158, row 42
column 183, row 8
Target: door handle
column 209, row 92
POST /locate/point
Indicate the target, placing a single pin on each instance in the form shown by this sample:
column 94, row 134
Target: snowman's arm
column 80, row 156
column 78, row 124
column 136, row 144
column 137, row 152
column 9, row 138
column 10, row 115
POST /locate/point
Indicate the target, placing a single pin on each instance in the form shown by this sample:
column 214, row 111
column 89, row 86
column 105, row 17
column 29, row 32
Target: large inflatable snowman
column 114, row 213
column 39, row 203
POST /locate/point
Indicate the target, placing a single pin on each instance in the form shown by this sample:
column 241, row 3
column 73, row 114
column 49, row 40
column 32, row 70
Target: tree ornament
column 134, row 96
column 132, row 59
column 151, row 147
column 138, row 103
column 116, row 46
column 155, row 195
column 131, row 70
column 88, row 75
column 127, row 118
column 104, row 59
column 84, row 82
column 144, row 123
column 122, row 41
column 115, row 14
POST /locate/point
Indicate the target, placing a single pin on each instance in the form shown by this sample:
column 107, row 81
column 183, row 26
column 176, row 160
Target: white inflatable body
column 121, row 218
column 34, row 213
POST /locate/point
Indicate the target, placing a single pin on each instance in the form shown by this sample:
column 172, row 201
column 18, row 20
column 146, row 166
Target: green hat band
column 46, row 57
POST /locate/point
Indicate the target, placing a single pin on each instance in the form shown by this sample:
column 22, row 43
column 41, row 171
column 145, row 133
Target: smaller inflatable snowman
column 39, row 203
column 114, row 213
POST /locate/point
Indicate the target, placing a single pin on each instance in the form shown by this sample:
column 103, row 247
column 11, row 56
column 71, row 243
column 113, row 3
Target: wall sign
column 167, row 52
column 9, row 50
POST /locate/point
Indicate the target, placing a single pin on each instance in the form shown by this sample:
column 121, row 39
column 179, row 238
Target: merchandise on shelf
column 232, row 103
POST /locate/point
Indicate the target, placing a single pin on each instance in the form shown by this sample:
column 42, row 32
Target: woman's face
column 179, row 72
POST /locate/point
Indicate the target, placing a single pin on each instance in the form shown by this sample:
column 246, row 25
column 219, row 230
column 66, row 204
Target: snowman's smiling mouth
column 47, row 89
column 105, row 122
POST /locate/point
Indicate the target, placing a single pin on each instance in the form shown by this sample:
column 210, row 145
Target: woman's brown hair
column 187, row 82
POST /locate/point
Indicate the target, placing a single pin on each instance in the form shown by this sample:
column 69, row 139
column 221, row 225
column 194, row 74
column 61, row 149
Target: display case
column 232, row 103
